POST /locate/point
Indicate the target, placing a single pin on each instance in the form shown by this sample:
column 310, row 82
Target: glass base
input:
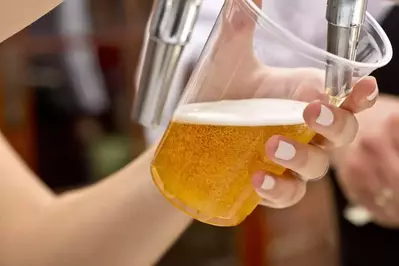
column 199, row 215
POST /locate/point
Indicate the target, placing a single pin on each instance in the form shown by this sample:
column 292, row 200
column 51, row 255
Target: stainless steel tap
column 169, row 31
column 345, row 19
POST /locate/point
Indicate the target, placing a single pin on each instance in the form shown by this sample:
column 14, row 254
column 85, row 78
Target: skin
column 15, row 15
column 124, row 220
column 369, row 165
column 260, row 81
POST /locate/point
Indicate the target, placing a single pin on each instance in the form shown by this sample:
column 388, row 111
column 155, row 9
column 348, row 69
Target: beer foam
column 248, row 112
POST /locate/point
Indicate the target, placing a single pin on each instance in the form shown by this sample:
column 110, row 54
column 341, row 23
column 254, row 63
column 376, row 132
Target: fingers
column 279, row 192
column 337, row 125
column 363, row 95
column 308, row 161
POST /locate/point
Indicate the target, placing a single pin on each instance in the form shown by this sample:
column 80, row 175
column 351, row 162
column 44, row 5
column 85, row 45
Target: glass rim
column 385, row 59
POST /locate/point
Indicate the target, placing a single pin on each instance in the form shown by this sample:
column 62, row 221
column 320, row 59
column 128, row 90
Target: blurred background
column 66, row 88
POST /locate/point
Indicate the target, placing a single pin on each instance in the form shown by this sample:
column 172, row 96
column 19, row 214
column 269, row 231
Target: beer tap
column 345, row 19
column 169, row 31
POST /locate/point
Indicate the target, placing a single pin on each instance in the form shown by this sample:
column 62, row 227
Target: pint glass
column 253, row 80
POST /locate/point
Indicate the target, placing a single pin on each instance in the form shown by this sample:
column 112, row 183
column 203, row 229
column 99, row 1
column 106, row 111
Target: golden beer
column 206, row 159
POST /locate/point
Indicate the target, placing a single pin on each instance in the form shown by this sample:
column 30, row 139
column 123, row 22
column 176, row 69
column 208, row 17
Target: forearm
column 121, row 221
column 21, row 193
column 15, row 15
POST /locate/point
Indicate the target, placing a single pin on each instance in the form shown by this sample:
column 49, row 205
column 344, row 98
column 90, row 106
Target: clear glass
column 253, row 80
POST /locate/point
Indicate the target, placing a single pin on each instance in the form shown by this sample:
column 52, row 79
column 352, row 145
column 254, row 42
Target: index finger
column 363, row 95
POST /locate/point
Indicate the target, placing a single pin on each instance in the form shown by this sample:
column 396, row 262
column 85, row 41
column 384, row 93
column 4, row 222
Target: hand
column 368, row 169
column 336, row 127
column 251, row 79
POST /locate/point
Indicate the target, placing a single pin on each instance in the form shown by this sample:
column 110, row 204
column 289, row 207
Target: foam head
column 248, row 112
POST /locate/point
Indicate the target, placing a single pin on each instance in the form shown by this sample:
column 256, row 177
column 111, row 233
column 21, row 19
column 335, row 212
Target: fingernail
column 358, row 216
column 326, row 117
column 373, row 95
column 285, row 151
column 268, row 183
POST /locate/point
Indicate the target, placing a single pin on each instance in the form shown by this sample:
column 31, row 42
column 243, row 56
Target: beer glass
column 240, row 94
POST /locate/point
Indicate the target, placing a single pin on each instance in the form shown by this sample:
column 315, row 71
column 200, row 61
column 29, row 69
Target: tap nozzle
column 345, row 19
column 169, row 31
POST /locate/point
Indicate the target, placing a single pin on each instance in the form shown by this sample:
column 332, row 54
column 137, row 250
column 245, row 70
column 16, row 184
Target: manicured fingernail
column 373, row 95
column 285, row 151
column 326, row 117
column 358, row 216
column 268, row 183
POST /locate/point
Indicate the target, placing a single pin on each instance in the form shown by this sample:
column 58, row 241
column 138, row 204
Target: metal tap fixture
column 170, row 28
column 345, row 19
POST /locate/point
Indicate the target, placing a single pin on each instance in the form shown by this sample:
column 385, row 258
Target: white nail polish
column 358, row 216
column 268, row 183
column 326, row 117
column 285, row 151
column 373, row 95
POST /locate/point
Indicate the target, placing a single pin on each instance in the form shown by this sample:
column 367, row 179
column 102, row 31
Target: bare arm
column 121, row 221
column 15, row 15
